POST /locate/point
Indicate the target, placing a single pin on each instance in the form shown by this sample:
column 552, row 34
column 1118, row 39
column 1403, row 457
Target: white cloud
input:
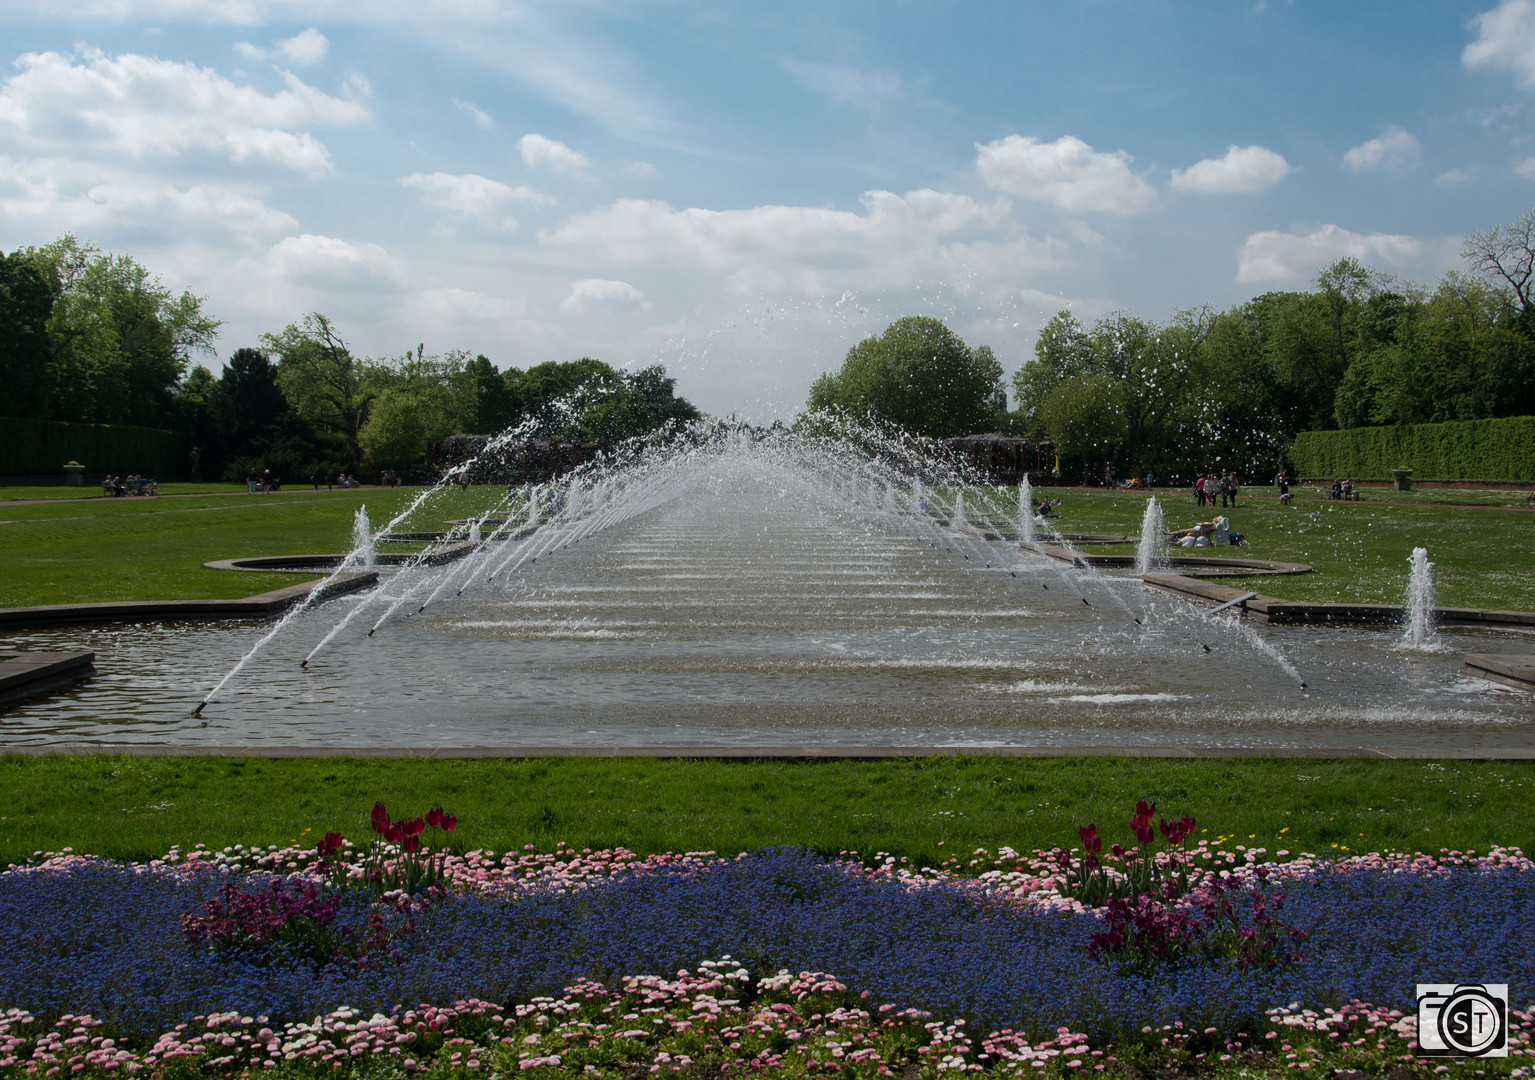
column 538, row 151
column 1526, row 168
column 1505, row 39
column 640, row 170
column 1242, row 169
column 591, row 293
column 1067, row 172
column 848, row 85
column 897, row 239
column 1281, row 256
column 333, row 262
column 473, row 195
column 1395, row 149
column 638, row 229
column 67, row 195
column 482, row 119
column 142, row 106
column 1452, row 178
column 308, row 47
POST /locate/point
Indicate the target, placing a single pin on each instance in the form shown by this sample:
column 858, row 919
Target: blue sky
column 742, row 191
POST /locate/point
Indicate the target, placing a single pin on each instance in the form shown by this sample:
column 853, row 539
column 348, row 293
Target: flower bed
column 286, row 959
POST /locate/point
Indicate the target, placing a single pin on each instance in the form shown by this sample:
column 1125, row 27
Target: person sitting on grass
column 1217, row 531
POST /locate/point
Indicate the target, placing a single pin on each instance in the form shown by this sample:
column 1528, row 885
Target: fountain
column 1026, row 511
column 1418, row 619
column 362, row 539
column 1153, row 533
column 734, row 586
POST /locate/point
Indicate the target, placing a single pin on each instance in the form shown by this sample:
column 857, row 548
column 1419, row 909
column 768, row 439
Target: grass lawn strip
column 927, row 810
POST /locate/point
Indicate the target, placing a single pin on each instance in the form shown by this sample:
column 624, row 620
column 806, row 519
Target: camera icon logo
column 1463, row 1020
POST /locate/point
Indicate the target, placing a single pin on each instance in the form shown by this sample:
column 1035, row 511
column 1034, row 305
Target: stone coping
column 23, row 674
column 1194, row 565
column 1295, row 613
column 311, row 564
column 788, row 753
column 136, row 611
column 1516, row 671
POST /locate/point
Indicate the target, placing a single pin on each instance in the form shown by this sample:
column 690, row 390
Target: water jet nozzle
column 304, row 664
column 200, row 707
column 1303, row 684
column 1084, row 600
column 420, row 609
column 370, row 632
column 1203, row 646
column 1137, row 622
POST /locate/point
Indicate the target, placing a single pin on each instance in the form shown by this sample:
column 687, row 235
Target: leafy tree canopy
column 919, row 375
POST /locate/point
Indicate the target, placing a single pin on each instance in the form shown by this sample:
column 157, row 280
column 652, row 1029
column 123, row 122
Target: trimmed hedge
column 1493, row 451
column 34, row 447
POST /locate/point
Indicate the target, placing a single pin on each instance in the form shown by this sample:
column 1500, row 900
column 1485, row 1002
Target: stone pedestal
column 74, row 474
column 1403, row 479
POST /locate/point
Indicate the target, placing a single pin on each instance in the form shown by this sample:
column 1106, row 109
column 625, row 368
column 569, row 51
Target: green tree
column 324, row 382
column 397, row 430
column 495, row 406
column 26, row 302
column 119, row 340
column 921, row 376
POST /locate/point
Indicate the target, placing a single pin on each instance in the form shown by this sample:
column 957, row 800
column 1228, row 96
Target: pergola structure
column 1006, row 458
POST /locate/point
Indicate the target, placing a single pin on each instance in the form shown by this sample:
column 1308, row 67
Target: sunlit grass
column 926, row 809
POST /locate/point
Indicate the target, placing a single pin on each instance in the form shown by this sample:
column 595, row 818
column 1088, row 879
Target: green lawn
column 93, row 491
column 136, row 807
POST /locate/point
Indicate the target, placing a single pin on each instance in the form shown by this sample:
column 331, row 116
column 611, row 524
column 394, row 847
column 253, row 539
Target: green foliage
column 118, row 340
column 1491, row 450
column 1232, row 390
column 33, row 446
column 26, row 302
column 321, row 379
column 396, row 432
column 919, row 375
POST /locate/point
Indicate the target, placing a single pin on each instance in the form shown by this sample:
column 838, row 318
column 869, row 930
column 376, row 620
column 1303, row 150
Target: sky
column 742, row 191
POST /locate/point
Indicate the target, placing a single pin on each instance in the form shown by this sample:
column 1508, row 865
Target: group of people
column 1345, row 490
column 1212, row 486
column 134, row 485
column 264, row 482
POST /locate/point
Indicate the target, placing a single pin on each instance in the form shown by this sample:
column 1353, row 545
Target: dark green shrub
column 30, row 447
column 1494, row 451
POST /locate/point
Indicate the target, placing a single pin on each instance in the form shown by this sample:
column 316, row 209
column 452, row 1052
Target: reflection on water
column 740, row 613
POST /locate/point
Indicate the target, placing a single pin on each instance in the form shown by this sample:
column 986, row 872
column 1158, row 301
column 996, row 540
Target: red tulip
column 330, row 844
column 1143, row 831
column 1091, row 841
column 1143, row 812
column 414, row 826
column 412, row 843
column 434, row 817
column 394, row 832
column 449, row 823
column 380, row 818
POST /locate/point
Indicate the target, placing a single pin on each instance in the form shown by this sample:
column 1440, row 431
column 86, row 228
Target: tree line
column 93, row 337
column 1227, row 390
